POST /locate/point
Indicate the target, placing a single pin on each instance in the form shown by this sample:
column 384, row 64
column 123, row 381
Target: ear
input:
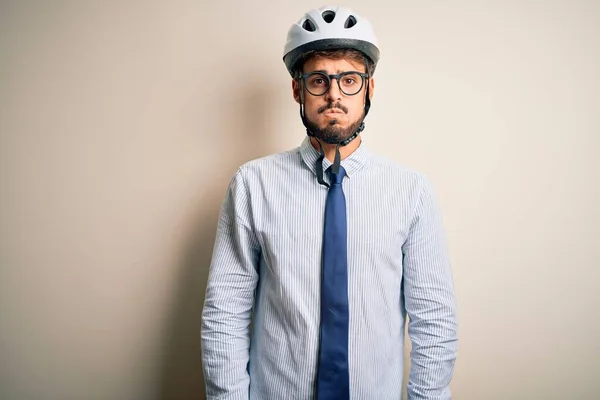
column 371, row 87
column 296, row 90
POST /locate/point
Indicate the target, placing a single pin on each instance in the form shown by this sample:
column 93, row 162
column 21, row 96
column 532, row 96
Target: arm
column 229, row 298
column 429, row 301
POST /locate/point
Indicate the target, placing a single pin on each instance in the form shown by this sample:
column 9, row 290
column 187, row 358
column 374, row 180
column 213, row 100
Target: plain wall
column 121, row 124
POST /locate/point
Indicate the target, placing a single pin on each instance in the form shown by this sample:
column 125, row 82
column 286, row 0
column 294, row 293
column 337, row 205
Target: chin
column 333, row 121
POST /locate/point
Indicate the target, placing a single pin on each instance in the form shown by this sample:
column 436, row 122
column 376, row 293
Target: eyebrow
column 339, row 71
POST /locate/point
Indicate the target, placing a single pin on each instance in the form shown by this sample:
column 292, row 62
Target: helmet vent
column 350, row 22
column 328, row 16
column 309, row 26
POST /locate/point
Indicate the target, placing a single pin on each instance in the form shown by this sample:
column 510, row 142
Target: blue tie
column 333, row 381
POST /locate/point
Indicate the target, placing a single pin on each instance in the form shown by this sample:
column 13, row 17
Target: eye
column 349, row 81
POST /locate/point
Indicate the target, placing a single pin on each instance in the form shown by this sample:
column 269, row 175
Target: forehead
column 332, row 66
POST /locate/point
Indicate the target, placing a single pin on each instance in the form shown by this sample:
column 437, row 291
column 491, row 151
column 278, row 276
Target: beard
column 333, row 133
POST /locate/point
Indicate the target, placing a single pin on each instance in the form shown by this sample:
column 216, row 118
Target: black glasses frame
column 337, row 77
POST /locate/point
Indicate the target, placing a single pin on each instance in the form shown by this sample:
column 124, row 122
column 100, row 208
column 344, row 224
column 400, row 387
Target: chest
column 290, row 226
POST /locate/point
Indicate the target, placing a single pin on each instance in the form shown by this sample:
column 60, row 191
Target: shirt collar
column 352, row 164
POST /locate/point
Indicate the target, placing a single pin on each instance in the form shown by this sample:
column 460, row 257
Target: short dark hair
column 336, row 54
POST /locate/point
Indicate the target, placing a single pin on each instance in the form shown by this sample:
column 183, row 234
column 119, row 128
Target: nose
column 333, row 92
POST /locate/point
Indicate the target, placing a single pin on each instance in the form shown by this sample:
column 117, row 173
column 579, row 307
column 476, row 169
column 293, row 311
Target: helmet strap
column 337, row 159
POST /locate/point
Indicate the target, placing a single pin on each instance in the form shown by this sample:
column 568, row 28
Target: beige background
column 122, row 122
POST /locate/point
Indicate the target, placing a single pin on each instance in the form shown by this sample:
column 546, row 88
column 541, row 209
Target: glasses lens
column 317, row 83
column 351, row 83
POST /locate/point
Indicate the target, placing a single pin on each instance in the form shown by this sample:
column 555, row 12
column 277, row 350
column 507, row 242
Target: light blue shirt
column 267, row 260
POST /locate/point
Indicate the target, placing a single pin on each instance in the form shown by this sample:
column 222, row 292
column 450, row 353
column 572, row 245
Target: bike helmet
column 329, row 28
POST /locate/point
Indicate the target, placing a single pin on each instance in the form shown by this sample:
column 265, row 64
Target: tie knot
column 336, row 179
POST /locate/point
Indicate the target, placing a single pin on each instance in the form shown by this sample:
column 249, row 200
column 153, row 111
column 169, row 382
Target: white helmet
column 329, row 28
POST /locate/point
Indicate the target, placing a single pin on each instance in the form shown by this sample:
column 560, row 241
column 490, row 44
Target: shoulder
column 398, row 174
column 263, row 167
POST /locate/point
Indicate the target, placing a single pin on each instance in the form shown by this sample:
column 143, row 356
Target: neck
column 329, row 149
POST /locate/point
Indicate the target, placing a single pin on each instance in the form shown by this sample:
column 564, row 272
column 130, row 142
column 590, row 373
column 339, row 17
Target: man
column 329, row 247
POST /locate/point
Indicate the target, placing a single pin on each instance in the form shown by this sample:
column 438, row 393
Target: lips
column 332, row 108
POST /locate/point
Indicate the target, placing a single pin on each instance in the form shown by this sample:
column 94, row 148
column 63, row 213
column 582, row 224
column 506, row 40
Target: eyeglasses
column 349, row 82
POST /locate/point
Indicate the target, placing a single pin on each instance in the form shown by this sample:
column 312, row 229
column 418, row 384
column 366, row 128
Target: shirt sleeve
column 226, row 315
column 430, row 302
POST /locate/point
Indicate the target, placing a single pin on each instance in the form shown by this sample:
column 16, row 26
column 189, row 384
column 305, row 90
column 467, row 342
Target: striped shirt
column 266, row 267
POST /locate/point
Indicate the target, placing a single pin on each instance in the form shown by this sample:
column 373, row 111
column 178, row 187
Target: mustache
column 328, row 106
